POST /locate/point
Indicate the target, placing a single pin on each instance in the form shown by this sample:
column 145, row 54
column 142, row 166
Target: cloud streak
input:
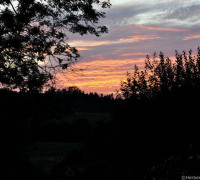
column 192, row 37
column 106, row 79
column 161, row 28
column 82, row 44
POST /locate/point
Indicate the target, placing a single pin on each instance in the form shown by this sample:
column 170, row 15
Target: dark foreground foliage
column 34, row 36
column 151, row 133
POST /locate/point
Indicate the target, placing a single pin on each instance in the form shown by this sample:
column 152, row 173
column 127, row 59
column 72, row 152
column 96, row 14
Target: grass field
column 46, row 155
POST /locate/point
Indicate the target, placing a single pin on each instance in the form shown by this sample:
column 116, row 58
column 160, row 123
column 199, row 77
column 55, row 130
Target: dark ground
column 73, row 136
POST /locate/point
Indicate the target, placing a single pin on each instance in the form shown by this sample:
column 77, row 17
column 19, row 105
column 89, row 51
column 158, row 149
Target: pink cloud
column 161, row 28
column 191, row 37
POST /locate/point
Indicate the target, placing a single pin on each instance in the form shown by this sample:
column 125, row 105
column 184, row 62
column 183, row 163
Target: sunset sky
column 136, row 28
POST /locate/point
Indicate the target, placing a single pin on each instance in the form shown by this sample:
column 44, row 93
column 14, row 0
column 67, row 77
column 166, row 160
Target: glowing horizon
column 106, row 79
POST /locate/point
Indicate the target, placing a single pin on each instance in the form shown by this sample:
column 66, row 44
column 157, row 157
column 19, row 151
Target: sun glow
column 102, row 76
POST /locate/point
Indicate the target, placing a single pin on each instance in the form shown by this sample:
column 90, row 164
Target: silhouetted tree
column 163, row 76
column 33, row 38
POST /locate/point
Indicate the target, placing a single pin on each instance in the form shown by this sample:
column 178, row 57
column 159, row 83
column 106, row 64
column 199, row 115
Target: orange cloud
column 161, row 28
column 89, row 43
column 83, row 49
column 139, row 38
column 191, row 37
column 102, row 76
column 83, row 44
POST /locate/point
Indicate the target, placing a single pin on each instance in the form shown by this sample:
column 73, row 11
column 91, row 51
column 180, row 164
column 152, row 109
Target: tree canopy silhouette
column 162, row 76
column 33, row 36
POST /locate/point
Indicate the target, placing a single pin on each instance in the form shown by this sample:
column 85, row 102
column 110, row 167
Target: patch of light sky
column 186, row 2
column 157, row 12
